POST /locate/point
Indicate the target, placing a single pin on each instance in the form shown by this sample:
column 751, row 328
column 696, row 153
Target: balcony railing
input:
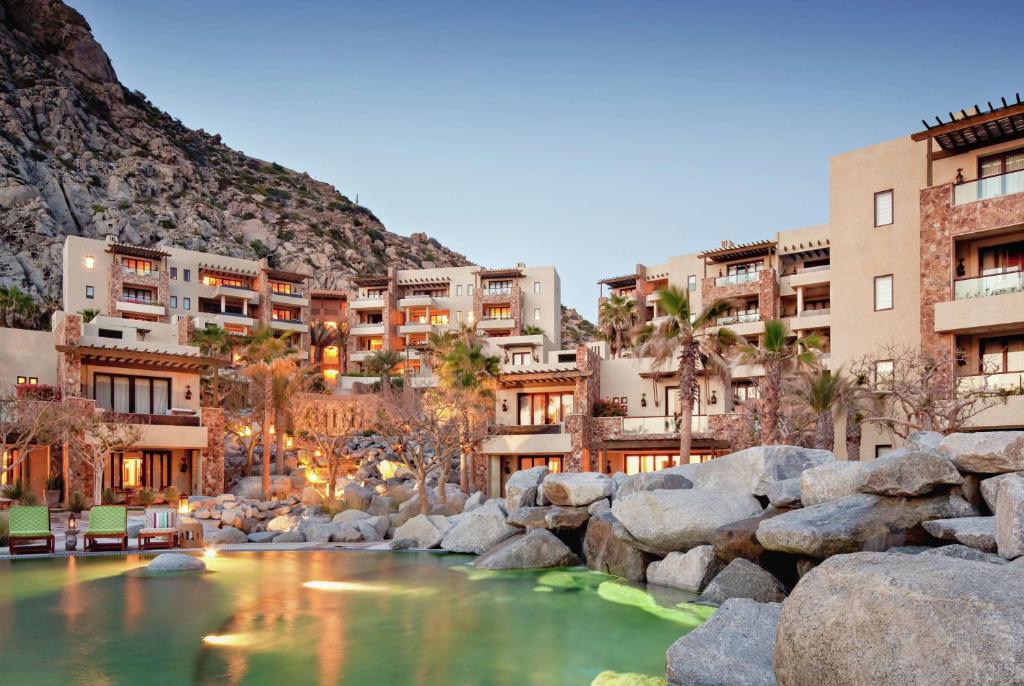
column 732, row 279
column 137, row 271
column 1006, row 381
column 816, row 312
column 660, row 425
column 288, row 294
column 991, row 284
column 741, row 318
column 137, row 300
column 989, row 187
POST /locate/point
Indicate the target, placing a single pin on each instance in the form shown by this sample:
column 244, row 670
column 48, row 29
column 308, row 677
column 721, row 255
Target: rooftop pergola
column 969, row 130
column 136, row 250
column 738, row 251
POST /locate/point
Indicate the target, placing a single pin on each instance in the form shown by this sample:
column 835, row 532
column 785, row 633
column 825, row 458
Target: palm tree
column 778, row 352
column 213, row 341
column 89, row 314
column 381, row 363
column 533, row 330
column 15, row 305
column 467, row 370
column 717, row 357
column 685, row 336
column 321, row 336
column 266, row 356
column 617, row 320
column 438, row 345
column 820, row 391
column 341, row 340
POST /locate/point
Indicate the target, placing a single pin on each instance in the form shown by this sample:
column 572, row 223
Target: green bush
column 145, row 497
column 76, row 503
column 108, row 497
column 29, row 498
column 14, row 490
column 171, row 496
column 53, row 482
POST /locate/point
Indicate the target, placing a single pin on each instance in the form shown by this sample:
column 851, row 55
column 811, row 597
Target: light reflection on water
column 327, row 618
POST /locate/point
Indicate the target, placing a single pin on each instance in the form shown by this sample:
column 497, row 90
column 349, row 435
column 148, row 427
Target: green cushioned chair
column 107, row 522
column 30, row 529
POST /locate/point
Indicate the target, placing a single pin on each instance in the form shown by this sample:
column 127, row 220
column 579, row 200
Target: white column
column 799, row 300
column 223, row 304
column 245, row 306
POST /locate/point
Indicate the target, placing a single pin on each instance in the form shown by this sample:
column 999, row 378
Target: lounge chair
column 159, row 528
column 107, row 522
column 30, row 529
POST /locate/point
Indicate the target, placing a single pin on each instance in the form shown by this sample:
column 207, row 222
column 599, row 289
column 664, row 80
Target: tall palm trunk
column 853, row 434
column 268, row 418
column 687, row 373
column 770, row 401
column 279, row 451
column 463, row 455
column 824, row 431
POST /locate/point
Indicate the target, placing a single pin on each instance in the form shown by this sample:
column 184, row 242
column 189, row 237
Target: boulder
column 681, row 519
column 381, row 505
column 320, row 532
column 262, row 536
column 529, row 516
column 754, row 470
column 474, row 501
column 347, row 533
column 229, row 534
column 927, row 441
column 743, row 579
column 831, row 482
column 598, row 506
column 875, row 618
column 478, row 531
column 284, row 523
column 311, row 496
column 295, row 536
column 522, row 487
column 690, row 571
column 1010, row 518
column 357, row 497
column 536, row 549
column 985, row 452
column 606, row 553
column 965, row 553
column 857, row 522
column 176, row 562
column 785, row 493
column 368, row 532
column 403, row 544
column 990, row 488
column 908, row 474
column 652, row 481
column 380, row 523
column 735, row 646
column 252, row 487
column 576, row 489
column 349, row 516
column 976, row 532
column 559, row 517
column 739, row 538
column 425, row 531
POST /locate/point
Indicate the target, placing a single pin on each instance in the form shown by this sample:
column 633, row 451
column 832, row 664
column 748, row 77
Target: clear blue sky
column 588, row 135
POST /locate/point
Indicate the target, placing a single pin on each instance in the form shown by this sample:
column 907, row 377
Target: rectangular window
column 469, row 289
column 498, row 313
column 536, row 314
column 187, row 275
column 22, row 380
column 458, row 315
column 90, row 292
column 458, row 289
column 536, row 286
column 1002, row 355
column 439, row 319
column 132, row 265
column 174, row 272
column 1003, row 163
column 883, row 372
column 882, row 450
column 137, row 295
column 186, row 303
column 132, row 394
column 883, row 208
column 502, row 287
column 691, row 283
column 883, row 292
column 282, row 314
column 282, row 288
column 544, row 408
column 174, row 302
column 519, row 359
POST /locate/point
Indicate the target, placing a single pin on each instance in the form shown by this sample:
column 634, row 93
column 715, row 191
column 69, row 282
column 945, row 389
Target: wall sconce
column 713, row 400
column 183, row 504
column 643, row 400
column 89, row 261
column 188, row 392
column 504, row 405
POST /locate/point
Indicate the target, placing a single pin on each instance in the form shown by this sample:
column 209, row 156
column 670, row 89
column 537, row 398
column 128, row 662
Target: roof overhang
column 739, row 251
column 285, row 275
column 425, row 281
column 538, row 376
column 136, row 250
column 619, row 281
column 502, row 273
column 141, row 359
column 371, row 281
column 975, row 129
column 226, row 270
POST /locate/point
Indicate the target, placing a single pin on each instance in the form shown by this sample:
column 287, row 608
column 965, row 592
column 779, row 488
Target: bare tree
column 328, row 422
column 424, row 430
column 29, row 422
column 104, row 433
column 903, row 389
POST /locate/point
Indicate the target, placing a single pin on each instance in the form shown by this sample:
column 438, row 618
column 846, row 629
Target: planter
column 52, row 498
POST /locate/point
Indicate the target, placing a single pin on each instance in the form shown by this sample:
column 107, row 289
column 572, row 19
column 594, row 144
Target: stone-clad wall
column 160, row 280
column 213, row 455
column 766, row 287
column 941, row 223
column 580, row 425
column 69, row 366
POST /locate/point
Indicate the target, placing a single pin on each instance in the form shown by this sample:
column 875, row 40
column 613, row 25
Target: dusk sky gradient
column 587, row 135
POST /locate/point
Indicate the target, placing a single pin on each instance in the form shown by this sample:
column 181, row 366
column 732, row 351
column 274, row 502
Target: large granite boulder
column 536, row 549
column 474, row 501
column 681, row 519
column 320, row 532
column 734, row 647
column 349, row 516
column 690, row 571
column 831, row 482
column 357, row 497
column 251, row 487
column 739, row 538
column 857, row 522
column 652, row 481
column 522, row 487
column 976, row 532
column 560, row 518
column 1010, row 518
column 229, row 534
column 985, row 452
column 426, row 531
column 909, row 474
column 283, row 523
column 576, row 489
column 529, row 516
column 743, row 579
column 295, row 536
column 604, row 552
column 990, row 488
column 785, row 493
column 478, row 531
column 176, row 562
column 348, row 533
column 754, row 470
column 927, row 441
column 877, row 618
column 965, row 553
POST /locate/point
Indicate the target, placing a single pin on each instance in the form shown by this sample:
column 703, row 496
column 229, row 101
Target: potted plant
column 53, row 484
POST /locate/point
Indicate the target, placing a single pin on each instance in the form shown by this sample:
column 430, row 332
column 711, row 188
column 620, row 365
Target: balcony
column 660, row 426
column 376, row 302
column 416, row 301
column 293, row 299
column 811, row 319
column 741, row 318
column 415, row 327
column 806, row 276
column 368, row 329
column 734, row 279
column 989, row 187
column 991, row 284
column 228, row 291
column 289, row 325
column 223, row 319
column 144, row 306
column 995, row 300
column 1009, row 382
column 496, row 324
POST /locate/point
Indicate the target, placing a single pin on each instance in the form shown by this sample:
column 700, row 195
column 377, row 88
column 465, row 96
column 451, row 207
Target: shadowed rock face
column 877, row 618
column 605, row 552
column 537, row 549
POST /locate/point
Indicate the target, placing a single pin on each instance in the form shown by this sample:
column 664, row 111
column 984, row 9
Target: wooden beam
column 972, row 120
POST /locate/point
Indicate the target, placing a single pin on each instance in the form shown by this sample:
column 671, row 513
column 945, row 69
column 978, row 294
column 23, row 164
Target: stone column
column 799, row 300
column 212, row 457
column 69, row 365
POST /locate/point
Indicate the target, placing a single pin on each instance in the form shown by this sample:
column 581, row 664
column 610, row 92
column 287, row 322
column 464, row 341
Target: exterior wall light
column 89, row 261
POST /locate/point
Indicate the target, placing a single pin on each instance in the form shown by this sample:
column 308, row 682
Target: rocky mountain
column 82, row 155
column 575, row 329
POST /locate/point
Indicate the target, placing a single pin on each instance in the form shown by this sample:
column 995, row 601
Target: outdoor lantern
column 188, row 392
column 643, row 400
column 504, row 405
column 72, row 522
column 713, row 400
column 183, row 504
column 90, row 261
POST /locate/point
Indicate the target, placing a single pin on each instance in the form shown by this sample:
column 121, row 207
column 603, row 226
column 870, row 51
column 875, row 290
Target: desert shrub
column 108, row 497
column 145, row 497
column 171, row 495
column 76, row 503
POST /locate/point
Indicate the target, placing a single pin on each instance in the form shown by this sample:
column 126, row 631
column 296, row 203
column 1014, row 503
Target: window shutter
column 883, row 292
column 883, row 208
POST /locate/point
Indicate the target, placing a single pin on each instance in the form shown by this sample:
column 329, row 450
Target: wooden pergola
column 975, row 129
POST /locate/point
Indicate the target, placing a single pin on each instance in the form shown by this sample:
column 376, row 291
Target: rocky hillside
column 575, row 329
column 82, row 155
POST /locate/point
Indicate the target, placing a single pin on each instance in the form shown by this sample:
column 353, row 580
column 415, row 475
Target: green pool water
column 290, row 619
